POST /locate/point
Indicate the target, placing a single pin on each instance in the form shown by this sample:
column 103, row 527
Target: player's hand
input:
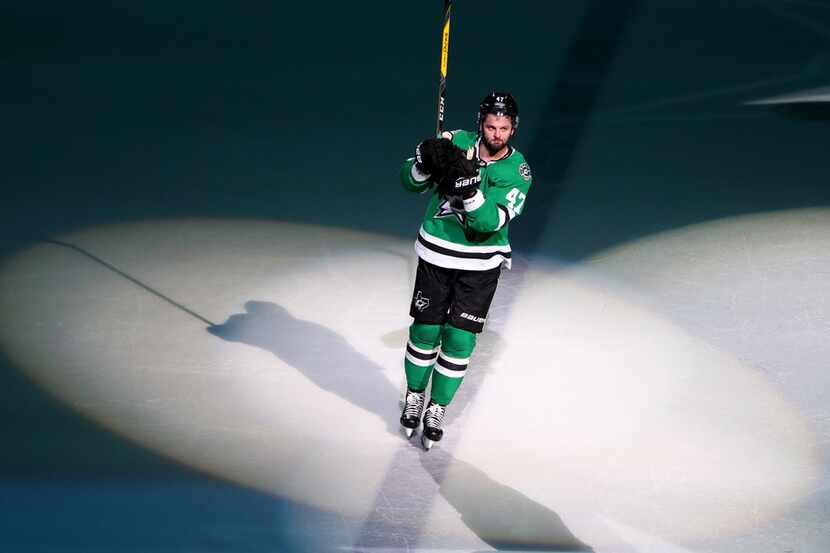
column 432, row 156
column 461, row 177
column 465, row 186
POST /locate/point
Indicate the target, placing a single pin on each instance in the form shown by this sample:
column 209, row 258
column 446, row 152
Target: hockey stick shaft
column 445, row 51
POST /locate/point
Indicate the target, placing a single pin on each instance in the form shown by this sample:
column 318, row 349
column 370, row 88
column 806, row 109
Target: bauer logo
column 473, row 318
column 421, row 302
column 524, row 171
column 467, row 181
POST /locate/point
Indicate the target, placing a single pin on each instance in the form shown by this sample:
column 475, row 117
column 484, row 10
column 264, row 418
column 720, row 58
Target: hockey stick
column 445, row 51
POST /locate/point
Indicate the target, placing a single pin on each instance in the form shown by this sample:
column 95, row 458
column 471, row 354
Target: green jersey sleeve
column 411, row 179
column 502, row 197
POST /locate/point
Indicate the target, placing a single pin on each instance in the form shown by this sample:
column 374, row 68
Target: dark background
column 633, row 120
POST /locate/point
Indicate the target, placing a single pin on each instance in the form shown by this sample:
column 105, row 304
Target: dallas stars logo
column 446, row 209
column 421, row 302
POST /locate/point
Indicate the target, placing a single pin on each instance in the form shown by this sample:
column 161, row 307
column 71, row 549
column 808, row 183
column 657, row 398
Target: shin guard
column 421, row 351
column 456, row 348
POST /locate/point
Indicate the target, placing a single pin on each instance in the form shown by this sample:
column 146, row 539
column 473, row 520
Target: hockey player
column 480, row 185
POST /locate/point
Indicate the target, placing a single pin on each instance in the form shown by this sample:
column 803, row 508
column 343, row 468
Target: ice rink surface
column 206, row 263
column 614, row 406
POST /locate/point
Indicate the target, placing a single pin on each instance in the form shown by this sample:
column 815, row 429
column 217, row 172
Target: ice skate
column 433, row 417
column 411, row 416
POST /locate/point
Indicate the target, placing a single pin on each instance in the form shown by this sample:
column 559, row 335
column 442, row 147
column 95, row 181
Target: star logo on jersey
column 446, row 209
column 524, row 171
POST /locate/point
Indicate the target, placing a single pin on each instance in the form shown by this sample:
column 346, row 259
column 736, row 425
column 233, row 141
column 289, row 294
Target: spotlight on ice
column 270, row 354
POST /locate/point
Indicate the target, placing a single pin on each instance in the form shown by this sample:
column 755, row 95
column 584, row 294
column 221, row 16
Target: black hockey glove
column 461, row 177
column 432, row 156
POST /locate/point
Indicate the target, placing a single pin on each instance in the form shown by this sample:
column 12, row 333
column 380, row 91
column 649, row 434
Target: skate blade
column 426, row 442
column 408, row 431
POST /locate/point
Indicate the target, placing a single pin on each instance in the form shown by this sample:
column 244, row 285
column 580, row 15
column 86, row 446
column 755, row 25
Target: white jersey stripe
column 462, row 247
column 471, row 204
column 502, row 219
column 450, row 262
column 417, row 175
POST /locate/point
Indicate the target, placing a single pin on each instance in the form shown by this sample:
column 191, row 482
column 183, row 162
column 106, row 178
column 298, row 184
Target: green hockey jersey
column 471, row 234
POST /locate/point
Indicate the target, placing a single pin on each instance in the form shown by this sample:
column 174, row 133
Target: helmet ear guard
column 498, row 103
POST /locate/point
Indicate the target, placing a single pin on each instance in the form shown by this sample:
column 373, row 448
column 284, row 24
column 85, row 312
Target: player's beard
column 493, row 149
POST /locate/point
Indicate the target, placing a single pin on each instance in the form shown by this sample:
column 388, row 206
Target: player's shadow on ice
column 320, row 354
column 501, row 516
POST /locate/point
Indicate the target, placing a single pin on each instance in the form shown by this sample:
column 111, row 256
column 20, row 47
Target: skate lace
column 434, row 415
column 414, row 404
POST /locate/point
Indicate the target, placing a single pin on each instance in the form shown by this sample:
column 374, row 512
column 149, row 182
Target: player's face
column 496, row 131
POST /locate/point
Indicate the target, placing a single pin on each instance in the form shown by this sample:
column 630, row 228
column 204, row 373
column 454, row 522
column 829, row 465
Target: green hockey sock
column 456, row 349
column 421, row 351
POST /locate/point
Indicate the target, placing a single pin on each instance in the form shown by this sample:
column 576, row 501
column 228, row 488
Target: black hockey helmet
column 498, row 103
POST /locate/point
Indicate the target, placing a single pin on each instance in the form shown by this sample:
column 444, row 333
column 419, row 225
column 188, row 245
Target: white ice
column 668, row 395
